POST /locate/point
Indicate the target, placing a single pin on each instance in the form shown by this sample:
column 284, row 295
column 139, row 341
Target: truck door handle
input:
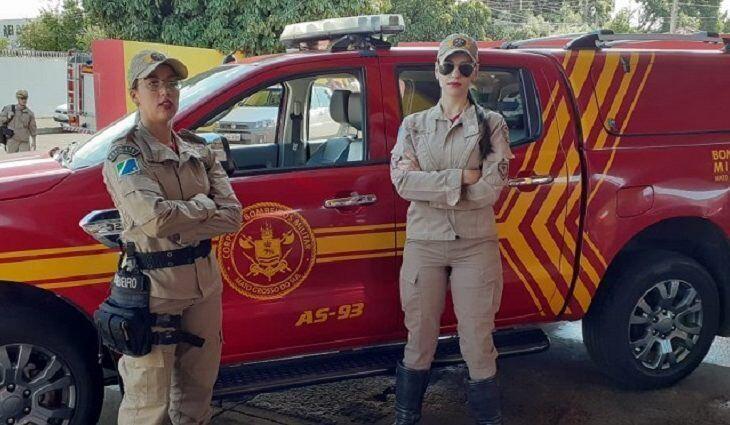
column 354, row 200
column 530, row 181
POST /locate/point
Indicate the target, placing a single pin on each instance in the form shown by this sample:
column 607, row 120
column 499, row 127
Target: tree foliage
column 60, row 29
column 432, row 20
column 695, row 15
column 251, row 25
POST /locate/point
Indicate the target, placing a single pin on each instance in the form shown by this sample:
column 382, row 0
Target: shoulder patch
column 122, row 150
column 127, row 167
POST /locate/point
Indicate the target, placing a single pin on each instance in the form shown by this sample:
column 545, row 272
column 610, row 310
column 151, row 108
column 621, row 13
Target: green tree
column 4, row 43
column 621, row 23
column 251, row 25
column 55, row 30
column 695, row 15
column 432, row 20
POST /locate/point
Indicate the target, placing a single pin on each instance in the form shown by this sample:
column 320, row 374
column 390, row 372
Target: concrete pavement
column 558, row 387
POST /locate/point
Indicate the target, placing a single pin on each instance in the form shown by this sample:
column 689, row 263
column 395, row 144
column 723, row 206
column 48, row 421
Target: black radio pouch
column 124, row 320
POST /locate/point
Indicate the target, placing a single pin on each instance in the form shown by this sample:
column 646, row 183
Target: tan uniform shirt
column 169, row 201
column 441, row 208
column 22, row 122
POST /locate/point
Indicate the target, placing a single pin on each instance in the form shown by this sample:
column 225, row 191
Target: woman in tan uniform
column 451, row 162
column 173, row 197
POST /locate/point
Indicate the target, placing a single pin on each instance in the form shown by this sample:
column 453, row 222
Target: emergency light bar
column 311, row 33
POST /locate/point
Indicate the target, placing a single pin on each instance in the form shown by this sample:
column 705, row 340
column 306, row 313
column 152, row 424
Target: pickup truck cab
column 617, row 213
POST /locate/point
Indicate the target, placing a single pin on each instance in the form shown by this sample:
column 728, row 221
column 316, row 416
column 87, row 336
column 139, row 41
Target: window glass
column 499, row 90
column 310, row 121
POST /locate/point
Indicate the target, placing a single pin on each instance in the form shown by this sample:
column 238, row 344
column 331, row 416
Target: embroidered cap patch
column 127, row 167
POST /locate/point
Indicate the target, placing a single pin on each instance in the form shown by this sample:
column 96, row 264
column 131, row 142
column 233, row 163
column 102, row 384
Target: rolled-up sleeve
column 436, row 186
column 495, row 167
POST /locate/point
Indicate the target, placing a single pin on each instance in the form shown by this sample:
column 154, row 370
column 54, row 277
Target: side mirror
column 222, row 150
column 103, row 225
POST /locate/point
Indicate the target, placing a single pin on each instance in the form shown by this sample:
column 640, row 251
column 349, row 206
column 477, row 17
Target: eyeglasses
column 22, row 98
column 155, row 84
column 465, row 68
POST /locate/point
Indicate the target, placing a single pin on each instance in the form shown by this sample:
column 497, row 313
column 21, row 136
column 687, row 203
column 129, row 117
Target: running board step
column 320, row 368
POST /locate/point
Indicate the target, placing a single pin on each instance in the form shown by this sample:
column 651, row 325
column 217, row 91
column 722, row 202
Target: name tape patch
column 120, row 150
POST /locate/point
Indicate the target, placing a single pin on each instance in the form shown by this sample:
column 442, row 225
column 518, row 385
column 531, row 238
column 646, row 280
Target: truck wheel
column 47, row 375
column 654, row 321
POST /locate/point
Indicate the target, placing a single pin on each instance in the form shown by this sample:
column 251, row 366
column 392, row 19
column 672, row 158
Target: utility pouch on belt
column 124, row 319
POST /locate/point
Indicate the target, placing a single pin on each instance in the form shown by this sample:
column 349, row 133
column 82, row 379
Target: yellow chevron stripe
column 528, row 154
column 73, row 284
column 581, row 295
column 51, row 251
column 581, row 70
column 618, row 99
column 59, row 268
column 355, row 257
column 343, row 229
column 539, row 224
column 591, row 116
column 350, row 243
column 522, row 279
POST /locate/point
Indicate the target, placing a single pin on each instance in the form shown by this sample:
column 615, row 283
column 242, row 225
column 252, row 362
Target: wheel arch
column 694, row 237
column 37, row 300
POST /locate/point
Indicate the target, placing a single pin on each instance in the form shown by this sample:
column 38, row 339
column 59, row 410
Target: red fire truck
column 617, row 213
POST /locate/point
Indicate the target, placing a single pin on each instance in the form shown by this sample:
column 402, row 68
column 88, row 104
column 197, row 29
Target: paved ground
column 557, row 387
column 52, row 137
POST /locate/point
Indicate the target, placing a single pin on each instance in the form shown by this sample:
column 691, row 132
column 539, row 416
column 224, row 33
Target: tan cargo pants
column 14, row 146
column 476, row 289
column 174, row 383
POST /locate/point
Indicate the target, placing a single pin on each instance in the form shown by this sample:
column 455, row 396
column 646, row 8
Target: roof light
column 311, row 33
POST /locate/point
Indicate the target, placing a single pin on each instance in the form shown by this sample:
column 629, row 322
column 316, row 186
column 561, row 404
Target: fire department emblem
column 272, row 253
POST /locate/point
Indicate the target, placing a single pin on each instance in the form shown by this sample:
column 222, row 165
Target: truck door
column 313, row 266
column 532, row 215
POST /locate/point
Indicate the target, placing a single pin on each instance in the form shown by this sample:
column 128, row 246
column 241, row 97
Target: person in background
column 21, row 121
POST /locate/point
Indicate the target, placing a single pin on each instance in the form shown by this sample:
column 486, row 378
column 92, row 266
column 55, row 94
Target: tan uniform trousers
column 174, row 383
column 476, row 290
column 14, row 146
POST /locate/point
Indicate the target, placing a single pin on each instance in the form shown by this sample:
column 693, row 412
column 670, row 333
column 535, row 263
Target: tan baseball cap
column 146, row 61
column 458, row 43
column 21, row 93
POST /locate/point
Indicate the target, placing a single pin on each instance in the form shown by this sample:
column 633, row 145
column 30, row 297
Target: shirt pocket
column 421, row 142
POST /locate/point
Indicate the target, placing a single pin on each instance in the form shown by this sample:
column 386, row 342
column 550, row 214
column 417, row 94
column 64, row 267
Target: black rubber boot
column 484, row 401
column 410, row 385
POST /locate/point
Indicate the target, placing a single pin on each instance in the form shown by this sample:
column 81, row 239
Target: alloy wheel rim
column 36, row 387
column 665, row 324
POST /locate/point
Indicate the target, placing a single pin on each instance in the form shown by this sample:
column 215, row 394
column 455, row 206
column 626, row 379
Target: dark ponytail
column 485, row 140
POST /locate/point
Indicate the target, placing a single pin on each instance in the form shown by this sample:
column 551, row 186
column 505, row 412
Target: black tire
column 611, row 339
column 44, row 337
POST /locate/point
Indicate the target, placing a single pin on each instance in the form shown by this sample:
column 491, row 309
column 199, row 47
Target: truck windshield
column 94, row 150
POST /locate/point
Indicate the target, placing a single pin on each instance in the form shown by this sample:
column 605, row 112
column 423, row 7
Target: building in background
column 9, row 29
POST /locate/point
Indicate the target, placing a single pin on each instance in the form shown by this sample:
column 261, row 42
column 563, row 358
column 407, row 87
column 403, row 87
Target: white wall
column 43, row 77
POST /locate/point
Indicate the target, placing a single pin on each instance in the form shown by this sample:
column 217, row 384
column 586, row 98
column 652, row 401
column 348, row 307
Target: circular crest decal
column 272, row 253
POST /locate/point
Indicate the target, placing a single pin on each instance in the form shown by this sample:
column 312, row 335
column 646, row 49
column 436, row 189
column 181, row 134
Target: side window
column 252, row 121
column 309, row 121
column 499, row 90
column 321, row 124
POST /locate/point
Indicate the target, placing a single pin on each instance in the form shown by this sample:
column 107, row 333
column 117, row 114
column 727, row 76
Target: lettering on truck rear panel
column 721, row 165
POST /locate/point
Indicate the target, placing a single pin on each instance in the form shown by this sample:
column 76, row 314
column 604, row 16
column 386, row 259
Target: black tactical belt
column 172, row 258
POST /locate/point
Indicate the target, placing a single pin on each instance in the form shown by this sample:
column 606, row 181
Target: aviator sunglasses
column 465, row 68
